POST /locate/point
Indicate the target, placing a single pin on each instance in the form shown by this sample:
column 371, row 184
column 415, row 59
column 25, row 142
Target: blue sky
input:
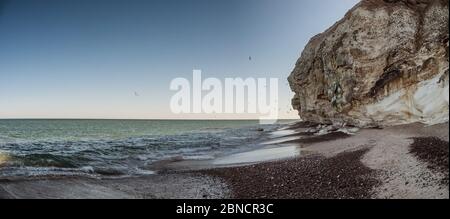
column 86, row 58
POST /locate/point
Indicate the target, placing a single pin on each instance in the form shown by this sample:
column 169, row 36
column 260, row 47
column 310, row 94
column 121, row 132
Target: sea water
column 117, row 147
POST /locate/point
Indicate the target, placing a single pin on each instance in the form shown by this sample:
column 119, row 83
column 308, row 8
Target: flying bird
column 136, row 94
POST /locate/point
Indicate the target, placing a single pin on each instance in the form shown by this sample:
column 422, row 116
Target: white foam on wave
column 259, row 155
column 281, row 140
column 280, row 133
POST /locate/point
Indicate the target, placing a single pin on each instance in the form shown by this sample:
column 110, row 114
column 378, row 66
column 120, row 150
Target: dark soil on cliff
column 434, row 152
column 313, row 177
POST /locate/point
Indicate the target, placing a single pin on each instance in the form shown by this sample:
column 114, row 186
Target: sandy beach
column 225, row 100
column 374, row 163
column 408, row 161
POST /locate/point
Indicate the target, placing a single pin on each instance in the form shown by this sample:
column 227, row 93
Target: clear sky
column 87, row 58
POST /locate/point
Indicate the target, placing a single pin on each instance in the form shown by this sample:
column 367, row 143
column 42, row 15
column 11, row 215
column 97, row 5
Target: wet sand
column 161, row 186
column 314, row 139
column 405, row 161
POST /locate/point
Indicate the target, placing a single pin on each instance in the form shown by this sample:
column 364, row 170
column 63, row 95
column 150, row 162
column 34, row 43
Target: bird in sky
column 136, row 94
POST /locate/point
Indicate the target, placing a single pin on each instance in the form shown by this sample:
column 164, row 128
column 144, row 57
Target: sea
column 118, row 148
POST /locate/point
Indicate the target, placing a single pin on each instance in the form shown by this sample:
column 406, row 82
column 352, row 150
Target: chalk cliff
column 384, row 63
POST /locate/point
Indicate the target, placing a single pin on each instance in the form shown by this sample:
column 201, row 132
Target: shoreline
column 371, row 163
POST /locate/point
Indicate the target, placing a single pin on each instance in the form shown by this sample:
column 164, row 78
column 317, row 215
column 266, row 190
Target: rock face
column 384, row 63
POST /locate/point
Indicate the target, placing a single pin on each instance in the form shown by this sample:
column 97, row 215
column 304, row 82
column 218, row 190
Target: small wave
column 45, row 160
column 25, row 172
column 87, row 171
column 199, row 157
